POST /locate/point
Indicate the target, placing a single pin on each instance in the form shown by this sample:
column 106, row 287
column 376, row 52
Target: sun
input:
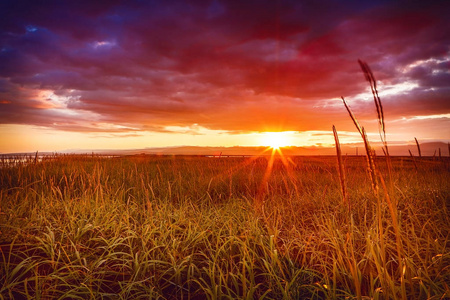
column 276, row 140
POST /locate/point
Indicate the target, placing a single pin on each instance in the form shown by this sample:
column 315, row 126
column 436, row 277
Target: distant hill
column 427, row 149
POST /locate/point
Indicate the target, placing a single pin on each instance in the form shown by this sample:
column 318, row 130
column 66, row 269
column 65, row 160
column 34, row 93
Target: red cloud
column 229, row 65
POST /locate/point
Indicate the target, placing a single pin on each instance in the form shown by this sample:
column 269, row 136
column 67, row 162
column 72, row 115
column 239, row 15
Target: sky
column 137, row 74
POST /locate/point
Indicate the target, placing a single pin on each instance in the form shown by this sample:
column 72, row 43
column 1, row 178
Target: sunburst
column 276, row 140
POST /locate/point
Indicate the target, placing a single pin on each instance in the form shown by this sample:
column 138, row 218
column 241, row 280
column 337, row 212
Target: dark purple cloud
column 230, row 65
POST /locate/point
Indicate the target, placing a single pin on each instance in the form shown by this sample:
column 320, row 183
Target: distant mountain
column 427, row 149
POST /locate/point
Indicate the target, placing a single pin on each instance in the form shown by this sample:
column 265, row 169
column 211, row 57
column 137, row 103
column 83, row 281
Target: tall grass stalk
column 368, row 74
column 341, row 168
column 418, row 147
column 369, row 151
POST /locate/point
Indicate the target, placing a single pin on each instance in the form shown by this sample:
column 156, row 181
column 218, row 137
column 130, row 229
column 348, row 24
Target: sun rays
column 276, row 153
column 276, row 164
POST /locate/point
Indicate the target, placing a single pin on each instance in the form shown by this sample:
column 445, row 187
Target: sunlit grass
column 187, row 227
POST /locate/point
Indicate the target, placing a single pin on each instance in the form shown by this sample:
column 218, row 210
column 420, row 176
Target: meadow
column 179, row 227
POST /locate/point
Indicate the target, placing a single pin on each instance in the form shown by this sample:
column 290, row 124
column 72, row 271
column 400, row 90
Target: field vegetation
column 177, row 227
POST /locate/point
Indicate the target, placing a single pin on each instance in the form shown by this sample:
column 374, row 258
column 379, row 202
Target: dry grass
column 149, row 227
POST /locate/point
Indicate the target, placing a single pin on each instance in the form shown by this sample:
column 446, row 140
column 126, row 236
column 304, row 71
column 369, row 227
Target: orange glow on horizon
column 276, row 140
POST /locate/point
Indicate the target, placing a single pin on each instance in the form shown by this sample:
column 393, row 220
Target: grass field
column 149, row 227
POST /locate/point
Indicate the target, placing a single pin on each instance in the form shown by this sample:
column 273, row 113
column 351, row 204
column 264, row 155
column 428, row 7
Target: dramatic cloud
column 236, row 66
